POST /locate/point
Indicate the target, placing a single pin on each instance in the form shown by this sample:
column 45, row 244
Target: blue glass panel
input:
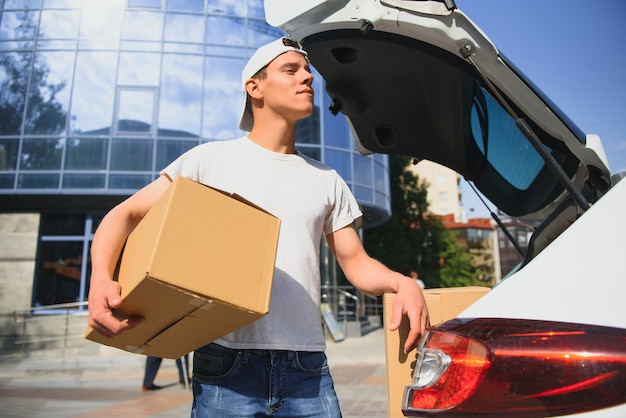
column 8, row 153
column 93, row 112
column 7, row 181
column 340, row 161
column 131, row 154
column 41, row 154
column 129, row 182
column 38, row 181
column 86, row 154
column 59, row 24
column 223, row 98
column 186, row 5
column 83, row 181
column 363, row 170
column 169, row 150
column 180, row 100
column 225, row 30
column 184, row 28
column 50, row 93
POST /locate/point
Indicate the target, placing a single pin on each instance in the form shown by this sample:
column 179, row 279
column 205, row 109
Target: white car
column 419, row 78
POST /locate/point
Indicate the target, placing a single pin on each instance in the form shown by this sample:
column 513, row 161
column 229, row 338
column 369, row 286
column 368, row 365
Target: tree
column 413, row 240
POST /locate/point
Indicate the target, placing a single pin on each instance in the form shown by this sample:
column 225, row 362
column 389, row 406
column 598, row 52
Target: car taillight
column 519, row 368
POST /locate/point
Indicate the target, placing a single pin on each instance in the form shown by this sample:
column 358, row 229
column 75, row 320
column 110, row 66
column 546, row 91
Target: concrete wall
column 18, row 247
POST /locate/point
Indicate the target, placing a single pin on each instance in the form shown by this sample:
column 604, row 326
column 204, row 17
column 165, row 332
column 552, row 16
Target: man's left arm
column 373, row 278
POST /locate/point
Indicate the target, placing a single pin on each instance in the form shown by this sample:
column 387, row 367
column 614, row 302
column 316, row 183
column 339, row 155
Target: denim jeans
column 262, row 383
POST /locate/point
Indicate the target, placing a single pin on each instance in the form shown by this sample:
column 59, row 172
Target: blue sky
column 574, row 52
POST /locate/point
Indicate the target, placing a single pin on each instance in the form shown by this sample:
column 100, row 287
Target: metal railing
column 41, row 325
column 63, row 324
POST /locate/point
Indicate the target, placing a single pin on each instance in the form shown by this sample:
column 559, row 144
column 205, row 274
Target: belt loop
column 291, row 355
column 245, row 356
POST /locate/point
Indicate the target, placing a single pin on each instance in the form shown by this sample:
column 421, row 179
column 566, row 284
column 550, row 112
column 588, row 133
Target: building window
column 136, row 111
column 63, row 264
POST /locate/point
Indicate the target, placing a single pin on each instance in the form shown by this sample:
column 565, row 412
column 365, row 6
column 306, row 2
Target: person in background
column 417, row 279
column 152, row 368
column 275, row 366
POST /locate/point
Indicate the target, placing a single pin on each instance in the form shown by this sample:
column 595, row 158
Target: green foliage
column 413, row 241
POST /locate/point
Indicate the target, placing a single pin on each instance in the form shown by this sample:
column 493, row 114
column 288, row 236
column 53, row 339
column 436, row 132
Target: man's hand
column 410, row 301
column 103, row 298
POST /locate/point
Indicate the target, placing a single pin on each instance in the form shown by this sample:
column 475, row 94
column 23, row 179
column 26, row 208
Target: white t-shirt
column 310, row 199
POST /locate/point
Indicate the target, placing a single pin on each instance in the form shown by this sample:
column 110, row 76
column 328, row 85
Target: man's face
column 287, row 86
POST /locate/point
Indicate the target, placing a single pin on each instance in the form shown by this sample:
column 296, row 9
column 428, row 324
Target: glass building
column 97, row 96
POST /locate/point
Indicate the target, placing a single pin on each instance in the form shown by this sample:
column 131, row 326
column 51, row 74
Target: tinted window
column 502, row 143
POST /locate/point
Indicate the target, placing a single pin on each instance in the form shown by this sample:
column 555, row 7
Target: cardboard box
column 443, row 304
column 198, row 266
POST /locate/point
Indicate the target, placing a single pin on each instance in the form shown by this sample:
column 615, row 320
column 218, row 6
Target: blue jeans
column 262, row 383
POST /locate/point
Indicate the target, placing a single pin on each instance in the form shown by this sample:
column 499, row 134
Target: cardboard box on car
column 198, row 266
column 443, row 304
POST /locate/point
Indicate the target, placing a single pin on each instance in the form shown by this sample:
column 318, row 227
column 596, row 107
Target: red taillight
column 457, row 362
column 517, row 367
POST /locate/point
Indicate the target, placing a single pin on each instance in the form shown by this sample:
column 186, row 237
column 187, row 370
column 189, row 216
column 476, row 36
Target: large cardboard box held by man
column 443, row 304
column 198, row 266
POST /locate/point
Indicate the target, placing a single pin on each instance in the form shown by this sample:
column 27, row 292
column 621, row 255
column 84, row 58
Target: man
column 275, row 366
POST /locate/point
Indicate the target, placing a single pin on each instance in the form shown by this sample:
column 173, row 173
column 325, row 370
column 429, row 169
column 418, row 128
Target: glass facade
column 96, row 96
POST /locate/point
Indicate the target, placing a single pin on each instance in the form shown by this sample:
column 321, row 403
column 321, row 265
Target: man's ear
column 252, row 87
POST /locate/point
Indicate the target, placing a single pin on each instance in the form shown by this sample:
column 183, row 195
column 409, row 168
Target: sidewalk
column 110, row 385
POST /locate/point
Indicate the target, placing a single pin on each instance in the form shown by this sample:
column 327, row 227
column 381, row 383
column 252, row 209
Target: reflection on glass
column 308, row 129
column 340, row 161
column 86, row 154
column 186, row 5
column 22, row 4
column 228, row 7
column 62, row 4
column 41, row 154
column 20, row 25
column 8, row 153
column 364, row 194
column 58, row 272
column 131, row 154
column 128, row 182
column 259, row 33
column 6, row 181
column 38, row 181
column 83, row 181
column 380, row 177
column 225, row 30
column 363, row 170
column 255, row 9
column 62, row 224
column 61, row 24
column 184, row 28
column 507, row 149
column 101, row 24
column 223, row 98
column 48, row 104
column 139, row 69
column 142, row 26
column 181, row 95
column 94, row 91
column 335, row 128
column 169, row 150
column 135, row 110
column 13, row 84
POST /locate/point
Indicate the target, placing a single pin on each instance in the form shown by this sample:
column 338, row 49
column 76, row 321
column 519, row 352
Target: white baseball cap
column 262, row 57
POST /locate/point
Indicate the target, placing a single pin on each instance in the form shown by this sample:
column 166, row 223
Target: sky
column 574, row 52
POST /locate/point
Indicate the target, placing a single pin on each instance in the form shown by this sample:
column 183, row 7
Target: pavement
column 109, row 384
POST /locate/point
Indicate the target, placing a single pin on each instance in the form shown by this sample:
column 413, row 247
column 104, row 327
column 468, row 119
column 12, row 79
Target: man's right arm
column 108, row 241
